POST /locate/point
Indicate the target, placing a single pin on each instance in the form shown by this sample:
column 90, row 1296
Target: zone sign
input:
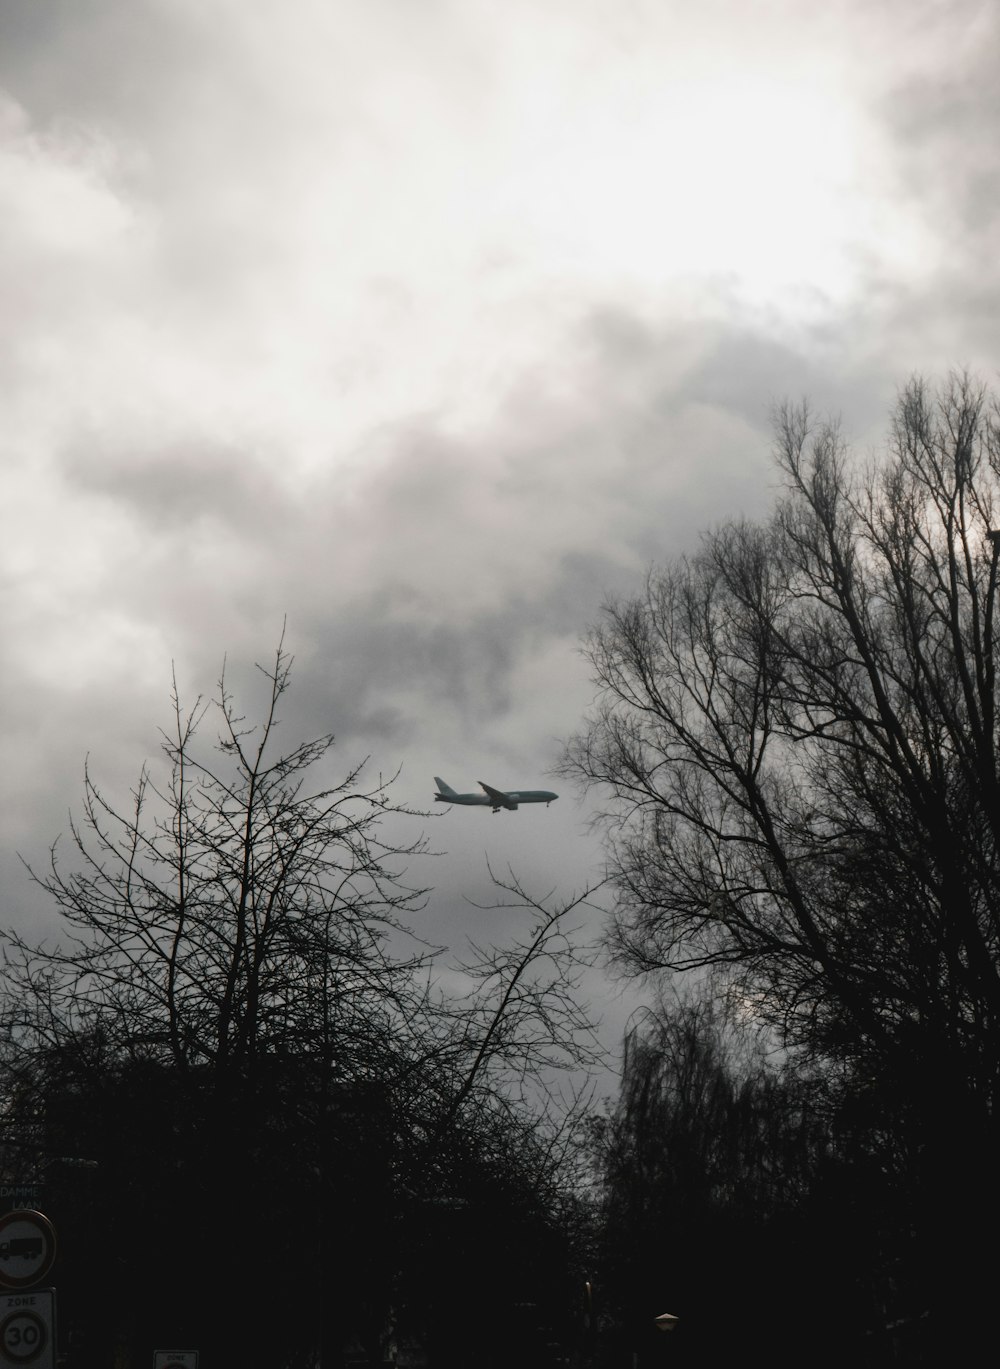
column 27, row 1330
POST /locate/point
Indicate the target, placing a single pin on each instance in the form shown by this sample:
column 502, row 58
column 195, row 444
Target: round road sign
column 23, row 1336
column 27, row 1248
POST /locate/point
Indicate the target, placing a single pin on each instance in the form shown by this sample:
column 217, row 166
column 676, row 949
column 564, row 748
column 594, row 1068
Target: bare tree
column 798, row 731
column 523, row 1021
column 231, row 912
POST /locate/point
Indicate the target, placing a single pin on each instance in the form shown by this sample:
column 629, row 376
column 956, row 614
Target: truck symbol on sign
column 25, row 1247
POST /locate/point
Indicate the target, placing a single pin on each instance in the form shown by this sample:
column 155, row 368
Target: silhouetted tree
column 798, row 733
column 230, row 913
column 235, row 1035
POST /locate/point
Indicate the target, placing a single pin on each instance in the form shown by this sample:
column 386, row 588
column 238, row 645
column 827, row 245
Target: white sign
column 27, row 1248
column 28, row 1330
column 175, row 1359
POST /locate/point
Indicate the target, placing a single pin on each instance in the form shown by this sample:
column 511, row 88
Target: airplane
column 496, row 798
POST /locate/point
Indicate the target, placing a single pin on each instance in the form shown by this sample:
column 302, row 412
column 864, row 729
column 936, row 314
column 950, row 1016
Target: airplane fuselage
column 493, row 798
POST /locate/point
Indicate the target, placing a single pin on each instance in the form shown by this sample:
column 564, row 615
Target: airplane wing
column 497, row 797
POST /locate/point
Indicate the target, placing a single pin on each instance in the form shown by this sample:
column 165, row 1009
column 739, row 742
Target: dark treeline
column 743, row 1198
column 795, row 746
column 260, row 1130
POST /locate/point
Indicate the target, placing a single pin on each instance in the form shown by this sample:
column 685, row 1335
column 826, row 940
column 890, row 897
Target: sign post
column 27, row 1313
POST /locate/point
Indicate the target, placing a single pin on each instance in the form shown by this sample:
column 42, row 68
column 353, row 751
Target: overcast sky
column 428, row 324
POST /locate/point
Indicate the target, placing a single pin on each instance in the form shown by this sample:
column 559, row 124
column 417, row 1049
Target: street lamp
column 666, row 1321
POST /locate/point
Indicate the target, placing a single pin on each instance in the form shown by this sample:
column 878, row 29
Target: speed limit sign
column 27, row 1330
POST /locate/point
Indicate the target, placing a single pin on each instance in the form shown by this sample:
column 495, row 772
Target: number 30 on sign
column 27, row 1335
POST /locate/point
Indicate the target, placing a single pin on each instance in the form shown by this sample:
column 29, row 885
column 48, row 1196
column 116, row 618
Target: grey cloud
column 747, row 373
column 425, row 589
column 479, row 553
column 941, row 114
column 105, row 60
column 178, row 483
column 944, row 119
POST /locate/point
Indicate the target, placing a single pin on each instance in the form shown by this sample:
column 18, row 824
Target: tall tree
column 798, row 732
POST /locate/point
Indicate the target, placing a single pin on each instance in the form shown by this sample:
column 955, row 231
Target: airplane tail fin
column 442, row 787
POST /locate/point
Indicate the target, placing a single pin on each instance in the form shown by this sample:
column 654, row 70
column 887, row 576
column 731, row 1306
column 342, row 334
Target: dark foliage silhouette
column 797, row 733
